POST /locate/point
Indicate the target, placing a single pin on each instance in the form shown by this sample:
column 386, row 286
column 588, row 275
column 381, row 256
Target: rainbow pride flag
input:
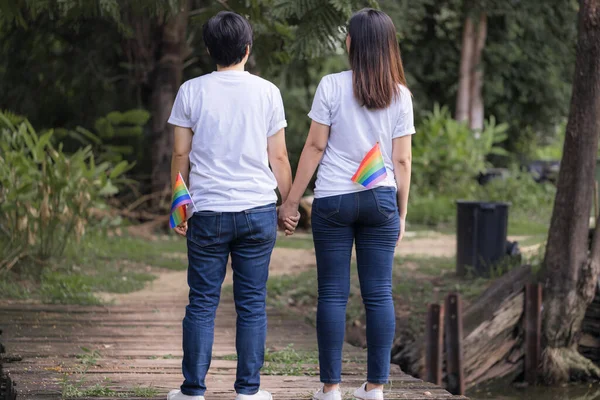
column 181, row 198
column 371, row 170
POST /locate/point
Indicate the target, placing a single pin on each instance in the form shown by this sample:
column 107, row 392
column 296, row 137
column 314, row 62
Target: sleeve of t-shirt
column 321, row 107
column 406, row 120
column 277, row 121
column 181, row 112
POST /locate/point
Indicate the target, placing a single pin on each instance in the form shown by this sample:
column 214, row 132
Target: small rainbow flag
column 371, row 170
column 181, row 198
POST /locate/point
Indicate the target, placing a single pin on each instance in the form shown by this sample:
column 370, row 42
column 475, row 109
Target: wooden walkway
column 136, row 343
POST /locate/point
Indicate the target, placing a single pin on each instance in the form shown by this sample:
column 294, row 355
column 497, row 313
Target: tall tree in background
column 153, row 37
column 157, row 50
column 469, row 98
column 570, row 275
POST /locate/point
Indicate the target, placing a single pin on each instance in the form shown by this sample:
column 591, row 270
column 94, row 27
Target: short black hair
column 227, row 35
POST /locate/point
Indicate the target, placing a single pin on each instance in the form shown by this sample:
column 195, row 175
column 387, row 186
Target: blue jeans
column 371, row 219
column 249, row 236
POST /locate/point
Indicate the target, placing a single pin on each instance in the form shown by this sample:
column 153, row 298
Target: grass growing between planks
column 97, row 264
column 77, row 388
column 289, row 362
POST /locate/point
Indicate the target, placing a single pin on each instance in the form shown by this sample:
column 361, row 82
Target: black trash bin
column 481, row 230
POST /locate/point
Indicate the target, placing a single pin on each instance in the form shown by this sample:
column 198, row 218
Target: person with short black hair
column 229, row 127
column 227, row 37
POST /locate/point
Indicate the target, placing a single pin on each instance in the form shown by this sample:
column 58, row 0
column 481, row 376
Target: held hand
column 181, row 229
column 290, row 225
column 288, row 218
column 402, row 230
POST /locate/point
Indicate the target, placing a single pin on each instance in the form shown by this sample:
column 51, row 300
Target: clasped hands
column 288, row 217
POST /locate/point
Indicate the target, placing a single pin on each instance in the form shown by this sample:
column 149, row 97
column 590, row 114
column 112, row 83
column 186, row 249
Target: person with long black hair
column 360, row 138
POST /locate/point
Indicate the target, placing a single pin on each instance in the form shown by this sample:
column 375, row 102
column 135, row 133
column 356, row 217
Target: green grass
column 89, row 357
column 57, row 288
column 166, row 252
column 289, row 355
column 97, row 264
column 290, row 362
column 75, row 390
column 10, row 288
column 69, row 287
column 144, row 391
column 298, row 290
column 523, row 225
column 295, row 242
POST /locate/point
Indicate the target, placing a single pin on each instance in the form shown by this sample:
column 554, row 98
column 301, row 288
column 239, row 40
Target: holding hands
column 288, row 217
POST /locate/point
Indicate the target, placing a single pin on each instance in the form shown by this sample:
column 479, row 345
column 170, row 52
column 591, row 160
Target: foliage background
column 67, row 67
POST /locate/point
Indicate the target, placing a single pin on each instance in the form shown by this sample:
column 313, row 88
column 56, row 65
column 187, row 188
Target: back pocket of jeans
column 327, row 207
column 262, row 224
column 204, row 228
column 387, row 203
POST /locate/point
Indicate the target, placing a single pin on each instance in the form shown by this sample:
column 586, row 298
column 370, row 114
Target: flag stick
column 190, row 193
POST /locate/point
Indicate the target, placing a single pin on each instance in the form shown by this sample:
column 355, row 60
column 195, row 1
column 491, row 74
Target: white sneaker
column 177, row 395
column 260, row 395
column 331, row 395
column 373, row 394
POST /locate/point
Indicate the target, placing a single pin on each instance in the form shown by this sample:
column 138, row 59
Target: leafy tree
column 527, row 59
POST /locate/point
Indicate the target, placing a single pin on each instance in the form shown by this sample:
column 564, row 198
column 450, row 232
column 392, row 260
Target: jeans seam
column 262, row 209
column 249, row 225
column 234, row 227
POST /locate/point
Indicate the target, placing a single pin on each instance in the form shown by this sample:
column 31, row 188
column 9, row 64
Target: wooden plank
column 533, row 329
column 140, row 345
column 434, row 343
column 454, row 351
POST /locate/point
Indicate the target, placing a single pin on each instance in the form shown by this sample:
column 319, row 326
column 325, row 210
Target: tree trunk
column 165, row 83
column 464, row 83
column 569, row 275
column 476, row 111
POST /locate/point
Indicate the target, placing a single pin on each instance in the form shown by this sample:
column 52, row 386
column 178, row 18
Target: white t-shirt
column 354, row 130
column 232, row 113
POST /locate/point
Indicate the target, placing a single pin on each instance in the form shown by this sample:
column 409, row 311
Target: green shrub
column 447, row 155
column 431, row 209
column 47, row 197
column 116, row 137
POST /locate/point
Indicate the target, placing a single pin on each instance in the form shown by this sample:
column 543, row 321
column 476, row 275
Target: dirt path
column 122, row 349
